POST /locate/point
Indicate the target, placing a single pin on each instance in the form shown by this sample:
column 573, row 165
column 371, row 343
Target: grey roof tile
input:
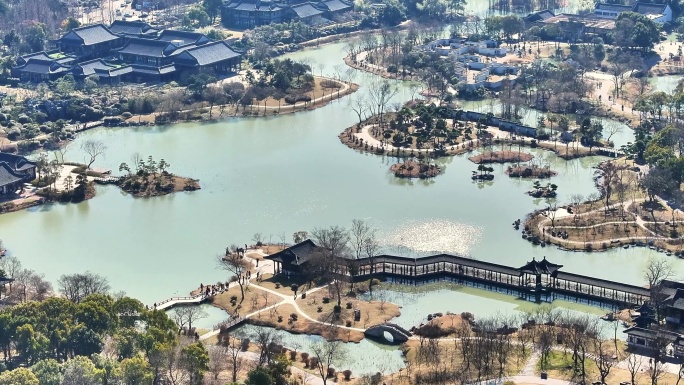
column 92, row 34
column 210, row 53
column 306, row 10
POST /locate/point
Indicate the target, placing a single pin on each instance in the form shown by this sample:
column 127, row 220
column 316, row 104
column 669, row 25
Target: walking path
column 545, row 225
column 495, row 132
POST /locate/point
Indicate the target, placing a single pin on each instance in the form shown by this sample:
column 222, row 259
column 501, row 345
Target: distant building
column 575, row 27
column 474, row 62
column 15, row 170
column 252, row 13
column 128, row 51
column 89, row 42
column 659, row 13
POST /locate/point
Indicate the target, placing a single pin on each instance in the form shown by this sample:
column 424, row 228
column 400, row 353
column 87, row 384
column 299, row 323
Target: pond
column 666, row 83
column 279, row 175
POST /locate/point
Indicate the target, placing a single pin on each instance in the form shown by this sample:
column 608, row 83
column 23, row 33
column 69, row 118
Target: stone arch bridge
column 399, row 334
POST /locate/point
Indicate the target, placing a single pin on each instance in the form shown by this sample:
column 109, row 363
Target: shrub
column 349, row 305
column 280, row 318
column 326, row 300
column 331, row 372
column 320, row 309
column 294, row 317
column 277, row 285
column 292, row 99
column 347, row 374
column 313, row 362
column 330, row 84
column 348, row 323
column 244, row 344
column 337, row 309
column 293, row 355
column 305, row 357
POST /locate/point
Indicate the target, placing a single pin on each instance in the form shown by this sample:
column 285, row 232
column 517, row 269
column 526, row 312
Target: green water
column 281, row 175
column 666, row 83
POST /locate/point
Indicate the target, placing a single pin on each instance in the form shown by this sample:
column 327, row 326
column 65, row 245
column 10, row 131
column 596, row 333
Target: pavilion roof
column 540, row 267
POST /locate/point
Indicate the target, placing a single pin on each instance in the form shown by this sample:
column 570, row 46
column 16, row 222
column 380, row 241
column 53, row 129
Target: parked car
column 128, row 14
column 143, row 15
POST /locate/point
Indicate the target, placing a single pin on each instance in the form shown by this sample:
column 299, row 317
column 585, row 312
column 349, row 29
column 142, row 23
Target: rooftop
column 90, row 35
column 540, row 267
column 131, row 28
column 209, row 53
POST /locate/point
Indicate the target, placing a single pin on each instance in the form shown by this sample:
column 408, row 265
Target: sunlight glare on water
column 437, row 235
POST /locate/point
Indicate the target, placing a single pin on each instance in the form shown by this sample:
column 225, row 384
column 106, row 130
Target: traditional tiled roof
column 208, row 53
column 147, row 47
column 8, row 176
column 651, row 334
column 337, row 5
column 613, row 7
column 90, row 35
column 55, row 56
column 538, row 16
column 41, row 66
column 131, row 28
column 100, row 68
column 540, row 267
column 649, row 9
column 149, row 70
column 297, row 254
column 16, row 162
column 306, row 10
column 676, row 300
column 181, row 38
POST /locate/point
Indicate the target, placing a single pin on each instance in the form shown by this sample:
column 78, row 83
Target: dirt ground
column 372, row 313
column 283, row 317
column 255, row 299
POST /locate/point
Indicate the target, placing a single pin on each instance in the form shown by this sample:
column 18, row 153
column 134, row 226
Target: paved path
column 531, row 366
column 495, row 132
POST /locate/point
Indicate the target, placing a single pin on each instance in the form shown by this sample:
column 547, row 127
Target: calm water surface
column 281, row 175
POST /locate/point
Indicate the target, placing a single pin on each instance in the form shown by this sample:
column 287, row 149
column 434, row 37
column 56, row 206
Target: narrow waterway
column 277, row 176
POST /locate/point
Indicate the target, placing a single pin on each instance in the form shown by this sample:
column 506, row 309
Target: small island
column 151, row 179
column 548, row 191
column 530, row 171
column 413, row 169
column 501, row 157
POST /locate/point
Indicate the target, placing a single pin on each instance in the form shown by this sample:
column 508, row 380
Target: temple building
column 15, row 170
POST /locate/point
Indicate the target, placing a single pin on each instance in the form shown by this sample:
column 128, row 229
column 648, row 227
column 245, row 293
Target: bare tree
column 11, row 265
column 231, row 346
column 187, row 315
column 633, row 366
column 334, row 239
column 601, row 356
column 381, row 93
column 329, row 354
column 657, row 270
column 75, row 287
column 266, row 339
column 236, row 265
column 359, row 233
column 359, row 105
column 93, row 148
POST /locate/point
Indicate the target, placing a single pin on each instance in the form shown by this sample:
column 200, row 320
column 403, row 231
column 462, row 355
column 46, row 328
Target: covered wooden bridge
column 538, row 277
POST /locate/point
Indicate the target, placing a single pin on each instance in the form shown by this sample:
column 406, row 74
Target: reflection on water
column 418, row 301
column 436, row 235
column 211, row 317
column 365, row 357
column 666, row 83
